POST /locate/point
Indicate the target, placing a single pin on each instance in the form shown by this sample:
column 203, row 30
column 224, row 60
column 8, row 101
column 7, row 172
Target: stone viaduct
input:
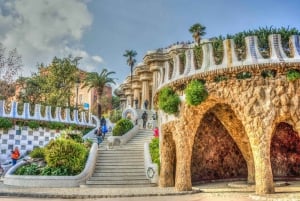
column 246, row 128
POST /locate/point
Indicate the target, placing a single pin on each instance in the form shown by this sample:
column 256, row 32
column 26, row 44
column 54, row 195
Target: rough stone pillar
column 145, row 89
column 167, row 154
column 260, row 138
column 155, row 79
column 183, row 180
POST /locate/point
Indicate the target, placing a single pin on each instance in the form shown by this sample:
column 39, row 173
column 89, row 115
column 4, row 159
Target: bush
column 268, row 73
column 195, row 93
column 66, row 154
column 29, row 169
column 243, row 75
column 56, row 125
column 33, row 124
column 115, row 116
column 220, row 78
column 293, row 74
column 168, row 100
column 154, row 151
column 38, row 152
column 122, row 127
column 5, row 123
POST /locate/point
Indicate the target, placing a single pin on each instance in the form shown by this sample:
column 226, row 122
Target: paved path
column 193, row 197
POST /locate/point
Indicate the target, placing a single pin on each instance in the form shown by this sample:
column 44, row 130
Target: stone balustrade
column 172, row 71
column 37, row 115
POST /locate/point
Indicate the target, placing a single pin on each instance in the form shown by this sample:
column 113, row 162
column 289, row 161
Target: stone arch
column 186, row 129
column 215, row 154
column 285, row 151
column 237, row 136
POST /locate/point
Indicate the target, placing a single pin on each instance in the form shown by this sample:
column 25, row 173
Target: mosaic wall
column 25, row 138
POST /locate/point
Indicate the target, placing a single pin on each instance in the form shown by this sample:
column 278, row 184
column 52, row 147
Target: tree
column 98, row 82
column 61, row 77
column 10, row 65
column 51, row 85
column 197, row 30
column 130, row 54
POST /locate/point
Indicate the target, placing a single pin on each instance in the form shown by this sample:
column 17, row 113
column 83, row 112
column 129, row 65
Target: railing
column 37, row 115
column 170, row 73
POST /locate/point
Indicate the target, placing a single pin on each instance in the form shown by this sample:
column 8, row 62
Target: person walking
column 145, row 118
column 104, row 131
column 146, row 102
column 15, row 154
column 102, row 121
column 99, row 136
column 156, row 132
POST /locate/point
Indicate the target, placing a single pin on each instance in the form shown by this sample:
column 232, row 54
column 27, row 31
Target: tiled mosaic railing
column 25, row 138
column 172, row 72
column 48, row 116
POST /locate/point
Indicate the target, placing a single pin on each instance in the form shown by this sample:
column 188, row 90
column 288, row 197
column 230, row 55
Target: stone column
column 167, row 154
column 260, row 138
column 183, row 181
column 145, row 78
column 155, row 69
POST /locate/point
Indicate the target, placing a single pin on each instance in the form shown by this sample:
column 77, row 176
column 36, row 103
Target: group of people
column 101, row 131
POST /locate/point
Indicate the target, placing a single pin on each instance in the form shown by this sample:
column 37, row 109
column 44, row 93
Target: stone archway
column 285, row 151
column 215, row 154
column 183, row 131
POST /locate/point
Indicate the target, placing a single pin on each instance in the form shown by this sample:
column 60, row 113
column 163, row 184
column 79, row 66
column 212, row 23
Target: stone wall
column 249, row 110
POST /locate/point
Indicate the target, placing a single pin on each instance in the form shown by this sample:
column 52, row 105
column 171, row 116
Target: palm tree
column 197, row 30
column 130, row 54
column 98, row 82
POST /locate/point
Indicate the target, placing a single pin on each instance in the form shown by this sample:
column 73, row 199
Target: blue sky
column 101, row 30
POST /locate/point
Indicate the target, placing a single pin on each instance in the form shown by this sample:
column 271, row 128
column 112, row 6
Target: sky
column 100, row 31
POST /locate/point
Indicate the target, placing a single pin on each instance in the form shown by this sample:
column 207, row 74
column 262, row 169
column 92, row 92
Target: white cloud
column 42, row 29
column 97, row 59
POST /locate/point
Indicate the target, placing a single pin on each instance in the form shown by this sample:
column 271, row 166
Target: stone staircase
column 122, row 166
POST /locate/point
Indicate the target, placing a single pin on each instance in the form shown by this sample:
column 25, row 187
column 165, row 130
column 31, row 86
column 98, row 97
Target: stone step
column 120, row 182
column 120, row 178
column 134, row 166
column 117, row 185
column 116, row 160
column 118, row 170
column 118, row 174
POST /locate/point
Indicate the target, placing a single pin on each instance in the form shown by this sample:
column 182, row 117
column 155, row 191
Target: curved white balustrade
column 13, row 113
column 170, row 73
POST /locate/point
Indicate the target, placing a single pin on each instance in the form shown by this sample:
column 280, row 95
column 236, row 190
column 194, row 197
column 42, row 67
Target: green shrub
column 56, row 125
column 38, row 152
column 122, row 127
column 268, row 73
column 243, row 75
column 168, row 100
column 5, row 123
column 220, row 78
column 195, row 93
column 115, row 116
column 293, row 74
column 66, row 154
column 70, row 134
column 57, row 171
column 33, row 124
column 154, row 151
column 28, row 169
